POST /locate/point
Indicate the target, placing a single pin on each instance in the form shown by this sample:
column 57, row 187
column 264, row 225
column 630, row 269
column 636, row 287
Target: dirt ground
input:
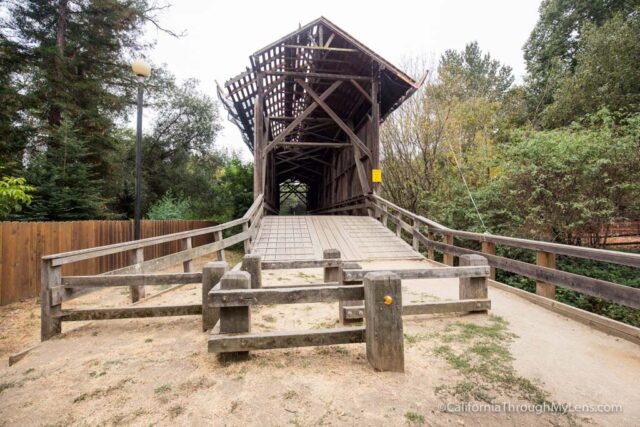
column 158, row 371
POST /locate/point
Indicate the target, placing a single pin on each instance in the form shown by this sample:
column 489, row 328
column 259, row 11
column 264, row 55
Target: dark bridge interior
column 309, row 107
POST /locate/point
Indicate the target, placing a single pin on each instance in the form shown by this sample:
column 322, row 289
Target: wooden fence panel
column 22, row 244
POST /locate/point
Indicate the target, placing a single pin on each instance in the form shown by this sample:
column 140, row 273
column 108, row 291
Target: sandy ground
column 158, row 371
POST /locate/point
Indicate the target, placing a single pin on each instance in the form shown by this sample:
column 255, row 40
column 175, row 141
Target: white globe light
column 141, row 68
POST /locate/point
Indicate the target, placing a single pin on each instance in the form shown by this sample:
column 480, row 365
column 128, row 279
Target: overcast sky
column 220, row 36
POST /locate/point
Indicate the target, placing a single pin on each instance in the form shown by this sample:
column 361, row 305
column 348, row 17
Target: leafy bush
column 170, row 207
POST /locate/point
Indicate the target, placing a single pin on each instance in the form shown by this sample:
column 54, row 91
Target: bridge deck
column 287, row 238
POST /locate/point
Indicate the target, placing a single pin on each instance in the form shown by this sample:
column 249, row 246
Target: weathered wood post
column 398, row 225
column 235, row 319
column 416, row 242
column 185, row 245
column 383, row 314
column 50, row 300
column 331, row 274
column 546, row 259
column 219, row 237
column 448, row 256
column 490, row 248
column 136, row 258
column 430, row 253
column 473, row 287
column 385, row 215
column 247, row 242
column 212, row 272
column 252, row 264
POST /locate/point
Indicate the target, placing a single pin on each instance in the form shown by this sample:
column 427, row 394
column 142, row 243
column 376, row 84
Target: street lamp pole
column 142, row 70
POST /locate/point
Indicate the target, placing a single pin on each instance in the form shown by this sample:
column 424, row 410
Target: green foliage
column 170, row 207
column 14, row 193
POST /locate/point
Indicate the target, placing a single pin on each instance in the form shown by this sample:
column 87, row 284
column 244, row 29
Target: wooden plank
column 545, row 259
column 142, row 279
column 473, row 287
column 304, row 145
column 212, row 272
column 383, row 317
column 338, row 77
column 136, row 258
column 285, row 295
column 273, row 340
column 625, row 295
column 251, row 263
column 288, row 265
column 234, row 319
column 186, row 244
column 487, row 248
column 439, row 307
column 50, row 278
column 128, row 312
column 424, row 273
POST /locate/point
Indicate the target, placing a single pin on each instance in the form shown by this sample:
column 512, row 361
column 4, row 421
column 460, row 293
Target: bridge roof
column 315, row 52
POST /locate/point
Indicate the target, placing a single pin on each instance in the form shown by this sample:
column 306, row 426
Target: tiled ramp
column 287, row 238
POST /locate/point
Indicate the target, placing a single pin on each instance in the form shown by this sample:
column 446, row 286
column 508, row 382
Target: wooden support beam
column 284, row 295
column 383, row 317
column 136, row 259
column 448, row 256
column 212, row 272
column 490, row 248
column 473, row 287
column 319, row 144
column 287, row 265
column 272, row 340
column 302, row 74
column 324, row 48
column 234, row 319
column 320, row 101
column 424, row 273
column 129, row 312
column 186, row 244
column 548, row 260
column 50, row 278
column 438, row 307
column 361, row 90
column 143, row 279
column 252, row 264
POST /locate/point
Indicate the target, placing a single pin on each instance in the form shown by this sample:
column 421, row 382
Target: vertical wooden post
column 331, row 274
column 385, row 215
column 430, row 253
column 490, row 248
column 374, row 146
column 252, row 264
column 473, row 287
column 448, row 256
column 235, row 319
column 416, row 242
column 546, row 259
column 383, row 314
column 219, row 237
column 136, row 258
column 247, row 243
column 398, row 226
column 185, row 244
column 50, row 280
column 212, row 272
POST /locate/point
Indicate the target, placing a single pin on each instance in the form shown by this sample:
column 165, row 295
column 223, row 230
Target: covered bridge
column 309, row 107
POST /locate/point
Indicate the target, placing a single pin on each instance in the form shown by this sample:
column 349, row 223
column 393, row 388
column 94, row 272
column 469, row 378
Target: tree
column 550, row 51
column 14, row 193
column 606, row 73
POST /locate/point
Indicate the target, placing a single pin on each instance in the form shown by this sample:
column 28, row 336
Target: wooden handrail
column 615, row 257
column 83, row 254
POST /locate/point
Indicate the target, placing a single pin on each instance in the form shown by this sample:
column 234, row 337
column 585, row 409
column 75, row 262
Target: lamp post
column 142, row 70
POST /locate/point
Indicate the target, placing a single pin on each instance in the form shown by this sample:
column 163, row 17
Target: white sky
column 220, row 36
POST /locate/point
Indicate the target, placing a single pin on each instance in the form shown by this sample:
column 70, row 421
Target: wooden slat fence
column 22, row 245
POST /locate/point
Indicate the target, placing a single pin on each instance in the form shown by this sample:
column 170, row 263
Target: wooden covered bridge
column 309, row 107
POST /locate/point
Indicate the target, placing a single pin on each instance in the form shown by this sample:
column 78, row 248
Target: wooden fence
column 23, row 244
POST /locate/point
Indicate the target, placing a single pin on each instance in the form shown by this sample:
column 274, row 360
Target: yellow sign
column 376, row 175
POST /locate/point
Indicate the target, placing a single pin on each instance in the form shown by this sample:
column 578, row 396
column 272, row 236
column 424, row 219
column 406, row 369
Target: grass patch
column 289, row 394
column 101, row 392
column 481, row 354
column 164, row 388
column 6, row 386
column 414, row 417
column 148, row 340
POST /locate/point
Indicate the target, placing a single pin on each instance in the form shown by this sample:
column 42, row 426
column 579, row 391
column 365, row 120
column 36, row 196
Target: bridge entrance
column 309, row 108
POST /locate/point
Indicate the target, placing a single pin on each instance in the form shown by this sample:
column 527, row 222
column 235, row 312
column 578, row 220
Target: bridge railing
column 55, row 289
column 424, row 231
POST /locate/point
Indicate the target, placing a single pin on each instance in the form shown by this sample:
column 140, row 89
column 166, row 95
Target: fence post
column 398, row 225
column 252, row 264
column 447, row 256
column 546, row 259
column 219, row 237
column 385, row 215
column 473, row 287
column 235, row 319
column 50, row 280
column 430, row 253
column 490, row 248
column 185, row 244
column 212, row 272
column 136, row 258
column 383, row 314
column 247, row 243
column 416, row 242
